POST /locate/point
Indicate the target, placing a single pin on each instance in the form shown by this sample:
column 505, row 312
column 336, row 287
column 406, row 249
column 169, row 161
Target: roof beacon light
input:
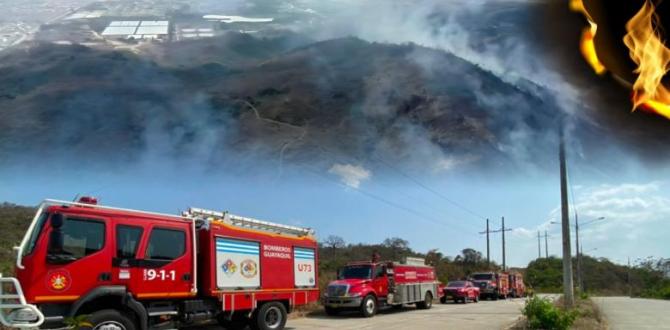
column 88, row 200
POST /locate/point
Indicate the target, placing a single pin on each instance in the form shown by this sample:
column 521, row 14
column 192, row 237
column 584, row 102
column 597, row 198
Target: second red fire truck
column 135, row 270
column 491, row 284
column 365, row 286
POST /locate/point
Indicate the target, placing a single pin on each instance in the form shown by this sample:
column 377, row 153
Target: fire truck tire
column 369, row 306
column 111, row 319
column 443, row 300
column 427, row 302
column 271, row 316
column 332, row 311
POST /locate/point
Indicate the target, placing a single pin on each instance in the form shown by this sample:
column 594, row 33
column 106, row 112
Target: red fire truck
column 366, row 286
column 517, row 287
column 135, row 270
column 491, row 284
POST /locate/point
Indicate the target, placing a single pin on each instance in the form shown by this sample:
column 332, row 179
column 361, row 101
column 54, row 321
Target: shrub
column 583, row 295
column 542, row 314
column 665, row 293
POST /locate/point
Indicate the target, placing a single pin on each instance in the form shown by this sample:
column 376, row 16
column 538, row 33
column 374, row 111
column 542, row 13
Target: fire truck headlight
column 354, row 294
column 22, row 315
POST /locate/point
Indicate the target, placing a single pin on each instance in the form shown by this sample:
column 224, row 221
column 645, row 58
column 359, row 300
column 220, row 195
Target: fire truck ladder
column 207, row 216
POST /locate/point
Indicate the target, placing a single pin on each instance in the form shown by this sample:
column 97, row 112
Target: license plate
column 450, row 296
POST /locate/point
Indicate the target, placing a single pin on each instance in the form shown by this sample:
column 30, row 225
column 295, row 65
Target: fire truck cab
column 366, row 286
column 491, row 284
column 134, row 270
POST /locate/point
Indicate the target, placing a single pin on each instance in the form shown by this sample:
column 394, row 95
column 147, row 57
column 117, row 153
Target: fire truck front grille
column 337, row 290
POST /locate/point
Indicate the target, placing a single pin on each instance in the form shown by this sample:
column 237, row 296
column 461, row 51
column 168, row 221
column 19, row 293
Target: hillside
column 342, row 97
column 14, row 221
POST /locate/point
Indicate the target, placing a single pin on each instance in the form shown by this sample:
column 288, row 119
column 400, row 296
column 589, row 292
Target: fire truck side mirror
column 56, row 236
column 57, row 220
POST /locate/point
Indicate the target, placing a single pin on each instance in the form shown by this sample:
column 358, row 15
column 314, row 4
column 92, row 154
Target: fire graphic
column 646, row 49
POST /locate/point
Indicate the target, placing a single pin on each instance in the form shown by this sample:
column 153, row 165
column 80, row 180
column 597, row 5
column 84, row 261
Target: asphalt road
column 482, row 315
column 623, row 313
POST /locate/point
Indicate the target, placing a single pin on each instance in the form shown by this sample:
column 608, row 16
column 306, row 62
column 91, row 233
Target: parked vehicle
column 492, row 285
column 368, row 285
column 462, row 291
column 136, row 270
column 517, row 287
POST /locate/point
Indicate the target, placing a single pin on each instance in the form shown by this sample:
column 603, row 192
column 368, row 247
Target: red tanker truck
column 491, row 284
column 135, row 270
column 365, row 286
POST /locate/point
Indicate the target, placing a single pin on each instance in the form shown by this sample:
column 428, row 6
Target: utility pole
column 503, row 230
column 580, row 284
column 503, row 241
column 488, row 249
column 539, row 249
column 546, row 245
column 630, row 286
column 568, row 289
column 487, row 232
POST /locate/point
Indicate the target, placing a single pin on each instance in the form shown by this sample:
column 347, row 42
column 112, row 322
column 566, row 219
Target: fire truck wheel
column 443, row 300
column 271, row 316
column 110, row 319
column 332, row 311
column 427, row 302
column 369, row 306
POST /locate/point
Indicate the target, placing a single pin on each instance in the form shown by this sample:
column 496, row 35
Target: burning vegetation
column 644, row 42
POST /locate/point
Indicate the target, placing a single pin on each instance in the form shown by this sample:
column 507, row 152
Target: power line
column 379, row 160
column 414, row 212
column 431, row 190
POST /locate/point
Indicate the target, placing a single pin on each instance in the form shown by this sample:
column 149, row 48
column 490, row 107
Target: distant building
column 190, row 33
column 137, row 30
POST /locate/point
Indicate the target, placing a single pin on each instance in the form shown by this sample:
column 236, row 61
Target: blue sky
column 369, row 208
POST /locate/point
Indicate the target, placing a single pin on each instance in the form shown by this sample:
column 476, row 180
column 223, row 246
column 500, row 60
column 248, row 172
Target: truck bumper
column 342, row 302
column 15, row 312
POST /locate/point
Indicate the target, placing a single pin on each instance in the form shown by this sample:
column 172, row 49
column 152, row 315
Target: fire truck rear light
column 88, row 200
column 22, row 315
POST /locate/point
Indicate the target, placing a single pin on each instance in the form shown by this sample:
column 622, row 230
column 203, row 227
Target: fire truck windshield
column 482, row 277
column 355, row 272
column 32, row 240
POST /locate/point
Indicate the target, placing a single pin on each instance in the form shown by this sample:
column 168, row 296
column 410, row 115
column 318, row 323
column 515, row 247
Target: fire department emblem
column 59, row 280
column 249, row 268
column 229, row 267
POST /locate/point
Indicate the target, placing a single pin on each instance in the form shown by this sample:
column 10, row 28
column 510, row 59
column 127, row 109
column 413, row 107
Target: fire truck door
column 79, row 256
column 380, row 282
column 125, row 264
column 165, row 265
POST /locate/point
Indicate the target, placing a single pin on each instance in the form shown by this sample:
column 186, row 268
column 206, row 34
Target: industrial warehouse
column 137, row 30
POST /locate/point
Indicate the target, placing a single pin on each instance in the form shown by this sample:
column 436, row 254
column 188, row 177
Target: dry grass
column 590, row 316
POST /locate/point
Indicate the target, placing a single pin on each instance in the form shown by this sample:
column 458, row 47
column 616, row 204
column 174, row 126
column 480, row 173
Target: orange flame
column 587, row 44
column 653, row 59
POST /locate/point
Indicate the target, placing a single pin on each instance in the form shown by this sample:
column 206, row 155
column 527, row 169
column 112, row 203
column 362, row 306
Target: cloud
column 448, row 163
column 635, row 224
column 351, row 175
